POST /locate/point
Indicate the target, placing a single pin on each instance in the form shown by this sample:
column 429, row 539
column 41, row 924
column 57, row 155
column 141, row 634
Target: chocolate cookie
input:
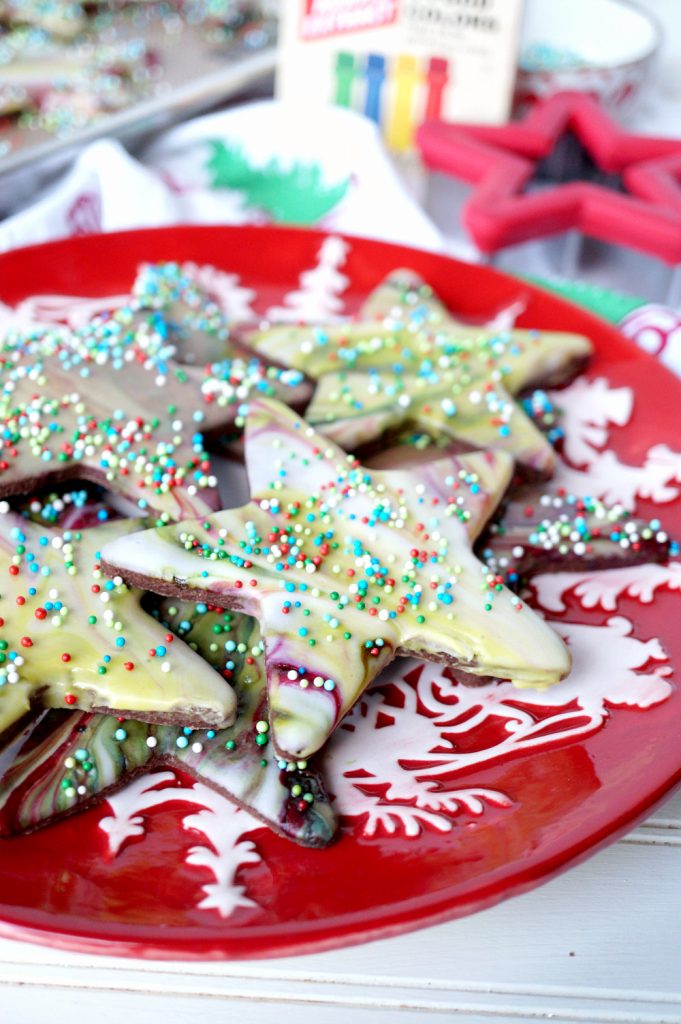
column 66, row 762
column 346, row 568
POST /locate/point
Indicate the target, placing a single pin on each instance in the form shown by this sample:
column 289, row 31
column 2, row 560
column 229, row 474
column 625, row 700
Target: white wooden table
column 600, row 943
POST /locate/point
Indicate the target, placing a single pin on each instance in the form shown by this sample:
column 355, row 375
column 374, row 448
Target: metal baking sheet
column 196, row 75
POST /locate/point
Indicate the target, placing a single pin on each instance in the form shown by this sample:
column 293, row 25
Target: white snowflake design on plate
column 603, row 589
column 394, row 763
column 222, row 824
column 395, row 778
column 588, row 407
column 657, row 329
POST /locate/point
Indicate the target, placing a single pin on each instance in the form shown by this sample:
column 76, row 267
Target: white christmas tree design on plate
column 319, row 295
column 232, row 297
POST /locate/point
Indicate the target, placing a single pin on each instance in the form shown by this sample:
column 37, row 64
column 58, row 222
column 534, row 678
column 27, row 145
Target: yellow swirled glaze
column 70, row 638
column 345, row 568
column 68, row 760
column 407, row 363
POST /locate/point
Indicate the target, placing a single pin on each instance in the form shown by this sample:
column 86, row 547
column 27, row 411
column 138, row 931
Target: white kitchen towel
column 264, row 162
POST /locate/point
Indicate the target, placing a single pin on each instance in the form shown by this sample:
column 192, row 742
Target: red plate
column 454, row 798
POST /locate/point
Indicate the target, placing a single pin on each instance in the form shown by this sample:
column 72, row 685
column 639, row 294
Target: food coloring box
column 401, row 62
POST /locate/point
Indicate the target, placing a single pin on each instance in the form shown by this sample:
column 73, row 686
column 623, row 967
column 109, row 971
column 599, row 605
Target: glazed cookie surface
column 70, row 638
column 346, row 568
column 550, row 530
column 109, row 403
column 407, row 363
column 69, row 760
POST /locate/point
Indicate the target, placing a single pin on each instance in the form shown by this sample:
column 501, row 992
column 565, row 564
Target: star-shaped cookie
column 193, row 322
column 346, row 568
column 549, row 530
column 65, row 762
column 408, row 363
column 111, row 407
column 167, row 314
column 70, row 638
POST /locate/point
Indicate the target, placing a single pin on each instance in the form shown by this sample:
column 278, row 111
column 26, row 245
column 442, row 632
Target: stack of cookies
column 399, row 512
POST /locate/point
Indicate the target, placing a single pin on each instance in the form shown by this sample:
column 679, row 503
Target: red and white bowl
column 603, row 47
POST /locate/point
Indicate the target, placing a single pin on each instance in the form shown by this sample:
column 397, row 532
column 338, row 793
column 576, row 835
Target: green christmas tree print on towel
column 293, row 195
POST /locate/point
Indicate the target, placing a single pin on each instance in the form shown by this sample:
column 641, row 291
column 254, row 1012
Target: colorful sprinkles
column 65, row 625
column 408, row 365
column 82, row 756
column 551, row 529
column 347, row 567
column 110, row 402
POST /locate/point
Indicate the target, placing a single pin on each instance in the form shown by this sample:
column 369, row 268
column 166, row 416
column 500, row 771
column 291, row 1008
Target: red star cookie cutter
column 501, row 161
column 658, row 180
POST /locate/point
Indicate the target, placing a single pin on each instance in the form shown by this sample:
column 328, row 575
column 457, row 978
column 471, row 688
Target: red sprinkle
column 26, row 641
column 69, row 698
column 129, row 666
column 40, row 613
column 66, row 657
column 14, row 570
